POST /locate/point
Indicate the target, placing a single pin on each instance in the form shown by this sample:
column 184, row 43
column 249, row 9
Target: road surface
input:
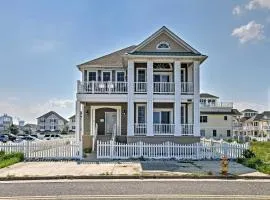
column 135, row 189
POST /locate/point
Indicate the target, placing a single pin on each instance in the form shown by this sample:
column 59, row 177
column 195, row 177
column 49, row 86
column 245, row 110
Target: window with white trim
column 163, row 45
column 92, row 76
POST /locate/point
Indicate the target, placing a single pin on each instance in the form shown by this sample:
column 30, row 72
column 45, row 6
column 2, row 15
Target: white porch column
column 196, row 101
column 177, row 95
column 82, row 119
column 130, row 131
column 78, row 127
column 150, row 104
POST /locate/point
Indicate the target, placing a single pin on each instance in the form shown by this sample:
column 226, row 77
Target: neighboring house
column 217, row 118
column 148, row 92
column 257, row 125
column 30, row 128
column 5, row 122
column 51, row 121
column 72, row 124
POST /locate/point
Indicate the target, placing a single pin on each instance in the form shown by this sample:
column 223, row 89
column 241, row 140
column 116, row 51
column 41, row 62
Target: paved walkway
column 30, row 169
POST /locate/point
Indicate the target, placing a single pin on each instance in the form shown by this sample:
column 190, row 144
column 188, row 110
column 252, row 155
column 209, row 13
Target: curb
column 133, row 177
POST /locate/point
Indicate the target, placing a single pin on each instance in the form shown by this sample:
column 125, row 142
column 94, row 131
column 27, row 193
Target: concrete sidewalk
column 120, row 168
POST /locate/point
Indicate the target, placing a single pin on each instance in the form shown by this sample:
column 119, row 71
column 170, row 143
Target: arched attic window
column 163, row 45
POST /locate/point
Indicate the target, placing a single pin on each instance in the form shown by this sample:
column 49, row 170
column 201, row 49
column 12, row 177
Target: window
column 92, row 76
column 203, row 119
column 203, row 133
column 225, row 118
column 161, row 78
column 161, row 117
column 255, row 123
column 141, row 114
column 141, row 75
column 183, row 114
column 106, row 76
column 214, row 133
column 85, row 75
column 73, row 120
column 228, row 133
column 73, row 127
column 120, row 76
column 163, row 45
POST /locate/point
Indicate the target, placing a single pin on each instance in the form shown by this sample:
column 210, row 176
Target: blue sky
column 42, row 41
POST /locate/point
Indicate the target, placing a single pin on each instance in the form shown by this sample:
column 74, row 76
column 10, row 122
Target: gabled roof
column 248, row 110
column 73, row 116
column 164, row 29
column 30, row 125
column 207, row 95
column 110, row 60
column 243, row 119
column 236, row 112
column 51, row 113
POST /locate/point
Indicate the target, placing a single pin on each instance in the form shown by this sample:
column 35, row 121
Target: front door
column 110, row 123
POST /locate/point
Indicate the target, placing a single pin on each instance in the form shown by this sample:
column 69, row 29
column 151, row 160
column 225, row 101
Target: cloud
column 43, row 46
column 250, row 32
column 254, row 4
column 29, row 112
column 237, row 10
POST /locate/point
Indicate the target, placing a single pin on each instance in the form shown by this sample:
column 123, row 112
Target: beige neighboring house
column 257, row 124
column 51, row 121
column 147, row 92
column 72, row 124
column 217, row 118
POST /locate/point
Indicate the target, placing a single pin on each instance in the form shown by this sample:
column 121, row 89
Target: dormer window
column 163, row 46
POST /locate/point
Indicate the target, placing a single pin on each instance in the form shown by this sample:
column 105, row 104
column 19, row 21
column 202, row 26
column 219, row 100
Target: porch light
column 124, row 112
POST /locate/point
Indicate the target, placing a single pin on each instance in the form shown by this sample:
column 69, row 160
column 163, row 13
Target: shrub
column 248, row 153
column 10, row 159
column 230, row 140
column 253, row 162
column 2, row 153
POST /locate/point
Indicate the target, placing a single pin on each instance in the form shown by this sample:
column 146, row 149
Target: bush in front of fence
column 7, row 159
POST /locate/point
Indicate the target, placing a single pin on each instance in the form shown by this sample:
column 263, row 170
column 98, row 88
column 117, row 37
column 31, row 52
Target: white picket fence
column 259, row 139
column 44, row 149
column 167, row 150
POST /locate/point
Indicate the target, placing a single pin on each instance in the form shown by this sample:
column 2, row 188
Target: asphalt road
column 136, row 189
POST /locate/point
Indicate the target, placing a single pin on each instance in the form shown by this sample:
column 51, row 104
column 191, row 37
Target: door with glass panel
column 120, row 85
column 161, row 83
column 140, row 127
column 140, row 85
column 106, row 84
column 92, row 77
column 162, row 122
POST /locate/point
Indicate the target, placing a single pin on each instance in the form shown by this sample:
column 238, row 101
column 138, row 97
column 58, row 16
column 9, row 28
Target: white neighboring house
column 5, row 122
column 51, row 121
column 148, row 92
column 257, row 125
column 72, row 124
column 217, row 118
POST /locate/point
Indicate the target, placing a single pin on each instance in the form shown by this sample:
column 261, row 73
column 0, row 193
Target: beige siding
column 174, row 46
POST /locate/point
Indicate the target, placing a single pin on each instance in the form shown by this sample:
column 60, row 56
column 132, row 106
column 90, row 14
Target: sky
column 41, row 42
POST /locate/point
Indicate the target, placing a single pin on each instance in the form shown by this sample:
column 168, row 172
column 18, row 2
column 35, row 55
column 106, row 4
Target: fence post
column 141, row 148
column 111, row 148
column 198, row 150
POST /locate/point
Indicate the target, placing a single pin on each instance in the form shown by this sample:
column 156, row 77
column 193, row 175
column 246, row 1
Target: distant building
column 217, row 118
column 21, row 123
column 30, row 128
column 71, row 124
column 5, row 122
column 51, row 121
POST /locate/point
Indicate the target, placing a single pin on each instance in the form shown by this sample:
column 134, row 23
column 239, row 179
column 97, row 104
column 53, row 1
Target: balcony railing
column 187, row 129
column 187, row 87
column 140, row 129
column 101, row 87
column 266, row 127
column 163, row 129
column 140, row 87
column 163, row 87
column 217, row 105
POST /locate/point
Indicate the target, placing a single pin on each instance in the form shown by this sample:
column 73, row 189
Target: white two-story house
column 148, row 92
column 5, row 122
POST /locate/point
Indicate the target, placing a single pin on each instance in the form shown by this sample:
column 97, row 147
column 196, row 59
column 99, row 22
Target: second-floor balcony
column 217, row 105
column 114, row 87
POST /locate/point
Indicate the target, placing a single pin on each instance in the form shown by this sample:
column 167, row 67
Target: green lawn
column 7, row 159
column 258, row 157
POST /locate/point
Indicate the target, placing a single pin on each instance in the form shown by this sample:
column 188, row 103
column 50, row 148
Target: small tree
column 13, row 129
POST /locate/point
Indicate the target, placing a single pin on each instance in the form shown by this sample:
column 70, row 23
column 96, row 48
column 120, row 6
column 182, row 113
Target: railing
column 140, row 129
column 102, row 87
column 163, row 87
column 266, row 127
column 197, row 151
column 163, row 129
column 140, row 87
column 187, row 129
column 217, row 104
column 187, row 87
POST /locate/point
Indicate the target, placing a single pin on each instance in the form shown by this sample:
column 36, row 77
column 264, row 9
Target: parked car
column 11, row 137
column 52, row 136
column 3, row 138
